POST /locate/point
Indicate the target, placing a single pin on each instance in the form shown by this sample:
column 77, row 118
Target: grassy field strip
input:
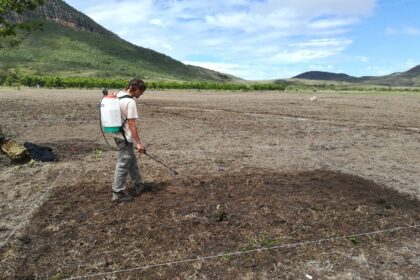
column 243, row 252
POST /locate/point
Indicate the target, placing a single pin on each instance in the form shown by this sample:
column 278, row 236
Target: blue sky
column 270, row 39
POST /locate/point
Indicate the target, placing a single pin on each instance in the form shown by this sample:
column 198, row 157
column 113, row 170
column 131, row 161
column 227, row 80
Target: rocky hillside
column 72, row 44
column 60, row 12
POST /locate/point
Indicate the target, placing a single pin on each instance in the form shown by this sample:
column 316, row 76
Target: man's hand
column 140, row 148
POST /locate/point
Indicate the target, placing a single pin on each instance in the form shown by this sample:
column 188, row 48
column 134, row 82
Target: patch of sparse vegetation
column 258, row 242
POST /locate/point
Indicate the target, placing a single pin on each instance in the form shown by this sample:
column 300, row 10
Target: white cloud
column 412, row 31
column 332, row 23
column 300, row 56
column 377, row 70
column 324, row 42
column 158, row 22
column 364, row 59
column 321, row 67
column 120, row 13
column 235, row 32
column 410, row 63
column 391, row 31
column 234, row 69
column 310, row 50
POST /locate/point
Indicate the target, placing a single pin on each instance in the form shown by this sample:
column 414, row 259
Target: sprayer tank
column 111, row 114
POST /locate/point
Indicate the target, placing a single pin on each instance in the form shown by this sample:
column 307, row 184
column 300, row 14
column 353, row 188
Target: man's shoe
column 139, row 189
column 121, row 197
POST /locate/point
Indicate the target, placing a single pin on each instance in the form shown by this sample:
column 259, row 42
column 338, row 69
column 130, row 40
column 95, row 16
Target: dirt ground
column 257, row 170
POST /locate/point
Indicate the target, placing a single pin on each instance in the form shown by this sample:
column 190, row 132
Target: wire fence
column 239, row 253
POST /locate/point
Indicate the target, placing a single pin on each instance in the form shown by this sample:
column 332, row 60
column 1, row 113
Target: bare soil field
column 270, row 186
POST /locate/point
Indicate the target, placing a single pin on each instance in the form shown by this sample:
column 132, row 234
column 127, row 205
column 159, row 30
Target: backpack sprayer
column 111, row 123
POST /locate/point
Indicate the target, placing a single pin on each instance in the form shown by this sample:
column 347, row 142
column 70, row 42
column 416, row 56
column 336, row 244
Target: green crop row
column 87, row 82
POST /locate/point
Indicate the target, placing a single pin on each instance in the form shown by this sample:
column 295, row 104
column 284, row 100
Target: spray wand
column 158, row 161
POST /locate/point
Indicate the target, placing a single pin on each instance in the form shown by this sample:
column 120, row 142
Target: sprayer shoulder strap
column 122, row 97
column 126, row 96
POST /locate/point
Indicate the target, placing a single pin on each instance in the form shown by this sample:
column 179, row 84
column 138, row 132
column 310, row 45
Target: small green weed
column 33, row 164
column 259, row 242
column 97, row 153
column 228, row 257
column 221, row 214
column 219, row 161
column 354, row 240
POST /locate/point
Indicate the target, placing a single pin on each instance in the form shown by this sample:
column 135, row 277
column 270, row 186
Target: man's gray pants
column 126, row 164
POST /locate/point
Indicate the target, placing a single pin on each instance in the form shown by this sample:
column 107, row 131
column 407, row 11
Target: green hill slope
column 407, row 78
column 72, row 44
column 410, row 78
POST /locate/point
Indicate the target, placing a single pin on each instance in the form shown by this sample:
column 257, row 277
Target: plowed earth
column 271, row 186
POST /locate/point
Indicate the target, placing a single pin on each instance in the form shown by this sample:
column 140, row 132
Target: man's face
column 138, row 93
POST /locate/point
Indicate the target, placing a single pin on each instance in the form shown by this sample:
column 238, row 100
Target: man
column 126, row 141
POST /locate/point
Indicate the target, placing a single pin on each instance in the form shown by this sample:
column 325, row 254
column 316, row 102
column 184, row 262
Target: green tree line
column 89, row 82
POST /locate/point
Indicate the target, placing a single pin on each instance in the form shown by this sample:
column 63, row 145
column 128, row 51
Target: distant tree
column 9, row 26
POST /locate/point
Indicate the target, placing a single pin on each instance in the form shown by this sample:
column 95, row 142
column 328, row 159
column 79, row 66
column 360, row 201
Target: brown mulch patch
column 79, row 231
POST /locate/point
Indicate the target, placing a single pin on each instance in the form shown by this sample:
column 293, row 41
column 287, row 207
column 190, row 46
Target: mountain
column 325, row 76
column 72, row 44
column 408, row 78
column 414, row 71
